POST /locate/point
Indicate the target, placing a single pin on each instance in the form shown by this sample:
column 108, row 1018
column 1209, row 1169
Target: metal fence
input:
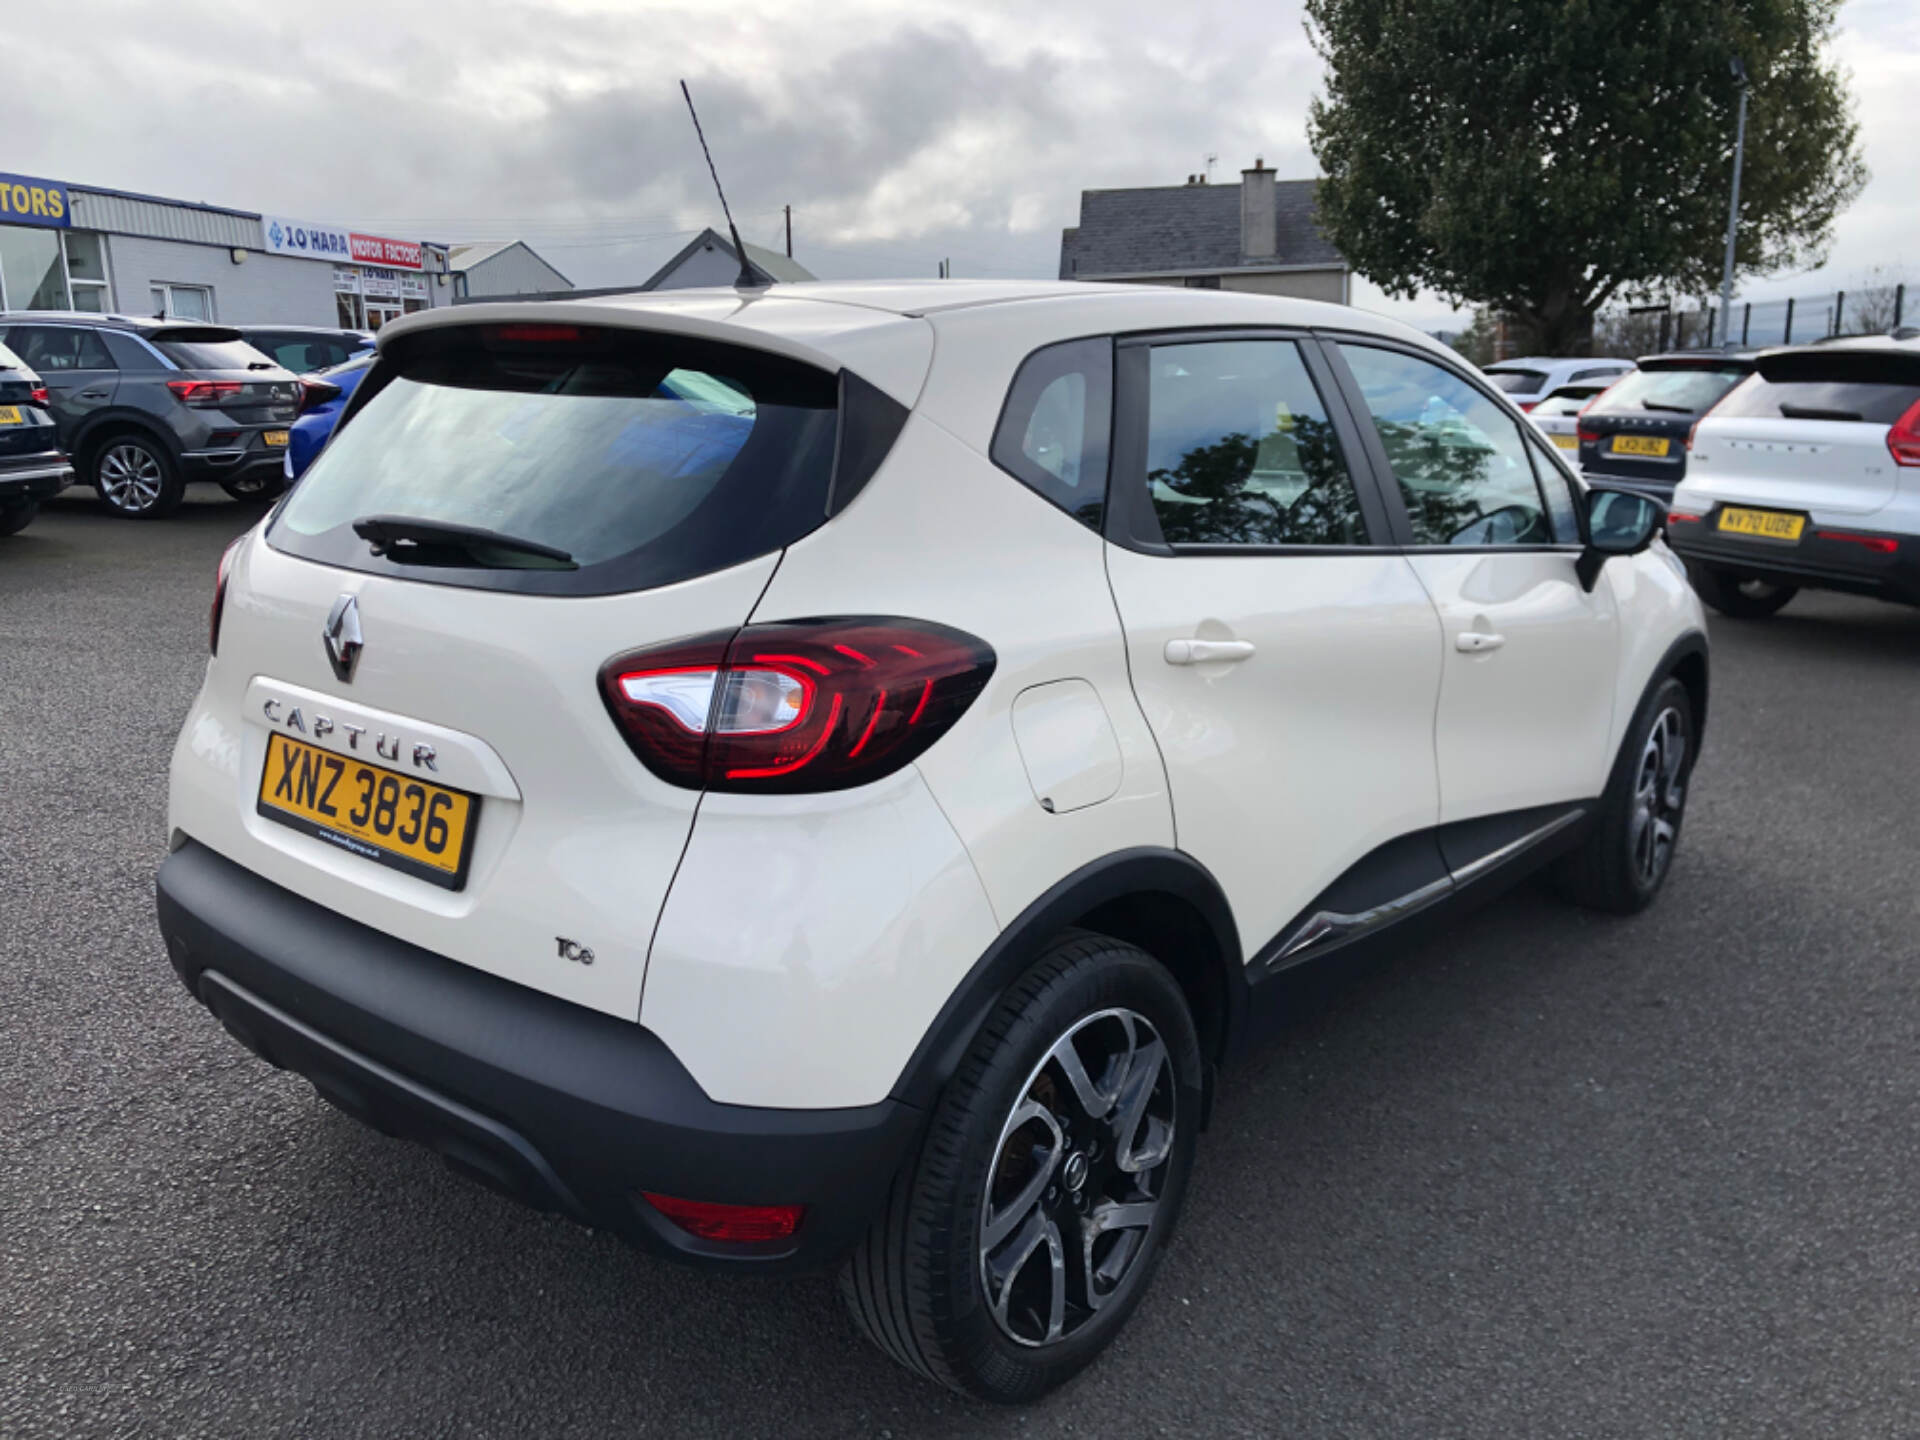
column 1801, row 319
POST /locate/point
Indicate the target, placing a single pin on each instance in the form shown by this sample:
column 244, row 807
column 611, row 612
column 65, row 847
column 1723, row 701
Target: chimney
column 1259, row 228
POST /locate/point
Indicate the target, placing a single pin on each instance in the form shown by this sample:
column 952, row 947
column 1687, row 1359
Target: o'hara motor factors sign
column 330, row 242
column 27, row 201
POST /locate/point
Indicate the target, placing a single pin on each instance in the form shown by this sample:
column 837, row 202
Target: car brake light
column 315, row 393
column 534, row 333
column 220, row 595
column 1682, row 517
column 1879, row 544
column 1903, row 440
column 205, row 392
column 38, row 396
column 802, row 705
column 740, row 1224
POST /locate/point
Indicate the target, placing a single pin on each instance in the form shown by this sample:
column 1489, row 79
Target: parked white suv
column 1806, row 476
column 829, row 774
column 1529, row 379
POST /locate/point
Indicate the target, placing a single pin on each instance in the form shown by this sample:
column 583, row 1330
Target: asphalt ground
column 1548, row 1175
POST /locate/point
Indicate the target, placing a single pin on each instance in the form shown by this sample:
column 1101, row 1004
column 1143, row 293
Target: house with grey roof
column 710, row 259
column 502, row 267
column 1260, row 235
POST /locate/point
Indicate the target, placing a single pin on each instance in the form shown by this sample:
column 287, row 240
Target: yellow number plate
column 1567, row 442
column 10, row 415
column 1655, row 446
column 275, row 437
column 1767, row 524
column 396, row 820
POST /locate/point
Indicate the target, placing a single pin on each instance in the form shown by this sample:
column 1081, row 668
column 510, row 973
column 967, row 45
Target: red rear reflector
column 740, row 1224
column 805, row 705
column 1903, row 440
column 535, row 333
column 220, row 595
column 38, row 396
column 1879, row 544
column 1681, row 517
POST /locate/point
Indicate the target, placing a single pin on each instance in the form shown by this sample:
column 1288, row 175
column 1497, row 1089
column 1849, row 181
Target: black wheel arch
column 109, row 423
column 1686, row 661
column 1162, row 900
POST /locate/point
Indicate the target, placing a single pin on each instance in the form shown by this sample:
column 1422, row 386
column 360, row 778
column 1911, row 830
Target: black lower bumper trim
column 35, row 479
column 561, row 1107
column 1812, row 563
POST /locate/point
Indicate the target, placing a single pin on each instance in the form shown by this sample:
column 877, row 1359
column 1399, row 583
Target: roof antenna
column 751, row 277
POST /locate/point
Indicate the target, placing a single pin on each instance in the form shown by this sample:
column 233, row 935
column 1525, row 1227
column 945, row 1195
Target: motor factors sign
column 378, row 250
column 309, row 241
column 27, row 201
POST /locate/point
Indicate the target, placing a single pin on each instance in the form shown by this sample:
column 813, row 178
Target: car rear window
column 1828, row 385
column 193, row 352
column 647, row 458
column 1517, row 382
column 1686, row 391
column 1563, row 403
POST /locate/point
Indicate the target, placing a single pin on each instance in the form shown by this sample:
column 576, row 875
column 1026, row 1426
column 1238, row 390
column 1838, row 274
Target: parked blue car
column 320, row 412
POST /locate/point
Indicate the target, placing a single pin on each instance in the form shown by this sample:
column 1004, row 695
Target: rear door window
column 647, row 459
column 1241, row 451
column 55, row 349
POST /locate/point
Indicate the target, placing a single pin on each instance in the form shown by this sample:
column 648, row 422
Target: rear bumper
column 561, row 1107
column 1811, row 563
column 230, row 464
column 34, row 477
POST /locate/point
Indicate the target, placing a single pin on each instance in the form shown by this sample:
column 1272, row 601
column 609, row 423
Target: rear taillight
column 735, row 1224
column 314, row 393
column 205, row 392
column 1903, row 440
column 1878, row 544
column 1682, row 517
column 38, row 396
column 1527, row 404
column 1586, row 436
column 220, row 595
column 803, row 705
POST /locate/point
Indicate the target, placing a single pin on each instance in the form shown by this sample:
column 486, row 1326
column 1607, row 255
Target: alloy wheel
column 1659, row 794
column 1078, row 1175
column 130, row 478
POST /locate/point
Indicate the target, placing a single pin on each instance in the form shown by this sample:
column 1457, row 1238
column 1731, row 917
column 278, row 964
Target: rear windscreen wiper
column 407, row 540
column 1814, row 412
column 1670, row 409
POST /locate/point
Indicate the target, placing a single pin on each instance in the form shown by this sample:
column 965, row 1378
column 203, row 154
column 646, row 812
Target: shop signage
column 380, row 284
column 378, row 250
column 414, row 287
column 27, row 201
column 330, row 242
column 309, row 242
column 347, row 279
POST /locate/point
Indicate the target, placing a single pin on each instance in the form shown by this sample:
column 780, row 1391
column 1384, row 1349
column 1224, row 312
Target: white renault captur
column 831, row 773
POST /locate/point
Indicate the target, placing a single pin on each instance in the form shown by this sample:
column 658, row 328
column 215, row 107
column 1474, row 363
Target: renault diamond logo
column 342, row 637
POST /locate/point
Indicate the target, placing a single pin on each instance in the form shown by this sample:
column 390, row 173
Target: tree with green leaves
column 1542, row 156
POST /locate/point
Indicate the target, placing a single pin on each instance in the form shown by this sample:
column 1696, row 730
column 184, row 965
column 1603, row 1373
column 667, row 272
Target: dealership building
column 67, row 246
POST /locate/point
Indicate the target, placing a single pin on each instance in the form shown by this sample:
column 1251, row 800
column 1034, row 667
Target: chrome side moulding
column 1324, row 929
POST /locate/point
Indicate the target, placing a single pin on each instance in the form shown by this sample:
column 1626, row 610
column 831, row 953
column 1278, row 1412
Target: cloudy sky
column 900, row 134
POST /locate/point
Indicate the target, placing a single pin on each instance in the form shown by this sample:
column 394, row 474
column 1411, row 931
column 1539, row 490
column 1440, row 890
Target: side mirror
column 1619, row 522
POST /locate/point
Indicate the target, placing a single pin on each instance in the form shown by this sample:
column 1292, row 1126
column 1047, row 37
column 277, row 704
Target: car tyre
column 135, row 477
column 1737, row 596
column 1622, row 864
column 15, row 518
column 257, row 487
column 1017, row 1243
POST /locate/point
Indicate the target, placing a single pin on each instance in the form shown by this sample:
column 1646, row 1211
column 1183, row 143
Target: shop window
column 87, row 272
column 182, row 302
column 31, row 270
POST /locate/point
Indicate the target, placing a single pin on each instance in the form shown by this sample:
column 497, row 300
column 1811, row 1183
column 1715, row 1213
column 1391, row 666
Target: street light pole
column 1733, row 209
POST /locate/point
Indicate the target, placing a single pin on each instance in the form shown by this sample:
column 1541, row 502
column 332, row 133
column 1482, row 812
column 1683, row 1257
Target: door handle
column 1204, row 652
column 1477, row 642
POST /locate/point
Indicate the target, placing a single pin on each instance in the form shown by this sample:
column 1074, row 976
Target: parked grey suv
column 144, row 407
